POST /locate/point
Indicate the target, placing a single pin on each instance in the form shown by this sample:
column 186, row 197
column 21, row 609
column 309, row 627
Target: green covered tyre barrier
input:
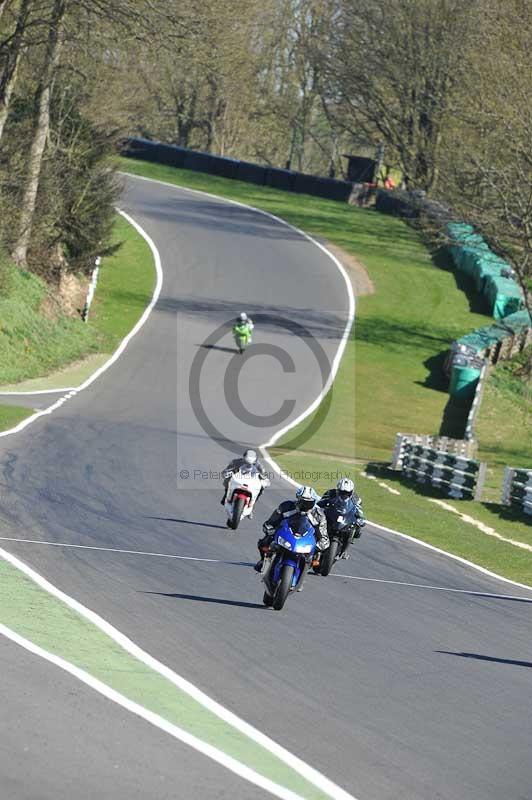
column 503, row 295
column 464, row 379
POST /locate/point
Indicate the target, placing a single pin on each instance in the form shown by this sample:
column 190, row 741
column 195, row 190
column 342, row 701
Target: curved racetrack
column 392, row 690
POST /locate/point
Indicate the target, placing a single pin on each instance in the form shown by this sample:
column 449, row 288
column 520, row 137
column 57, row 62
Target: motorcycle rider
column 243, row 326
column 249, row 459
column 345, row 490
column 243, row 319
column 304, row 504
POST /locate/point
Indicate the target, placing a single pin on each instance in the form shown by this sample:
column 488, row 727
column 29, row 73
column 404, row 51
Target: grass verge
column 125, row 287
column 32, row 343
column 504, row 425
column 10, row 416
column 391, row 377
column 49, row 623
column 40, row 353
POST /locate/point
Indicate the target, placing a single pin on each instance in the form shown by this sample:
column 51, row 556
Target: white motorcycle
column 242, row 493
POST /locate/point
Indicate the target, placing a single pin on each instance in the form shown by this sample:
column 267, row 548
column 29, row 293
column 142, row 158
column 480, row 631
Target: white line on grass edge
column 308, row 772
column 305, row 770
column 39, row 391
column 154, row 719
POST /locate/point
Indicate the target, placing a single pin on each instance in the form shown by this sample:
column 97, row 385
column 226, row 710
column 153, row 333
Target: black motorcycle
column 342, row 529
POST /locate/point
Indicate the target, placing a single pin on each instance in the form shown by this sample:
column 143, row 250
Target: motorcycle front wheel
column 241, row 344
column 238, row 510
column 283, row 587
column 329, row 557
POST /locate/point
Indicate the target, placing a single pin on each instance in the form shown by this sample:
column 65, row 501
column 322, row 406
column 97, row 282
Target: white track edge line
column 39, row 391
column 121, row 347
column 334, row 370
column 298, row 765
column 222, row 561
column 111, row 550
column 473, row 592
column 206, row 749
column 450, row 555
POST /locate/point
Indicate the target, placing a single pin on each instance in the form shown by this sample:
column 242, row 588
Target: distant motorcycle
column 242, row 335
column 242, row 492
column 341, row 526
column 287, row 560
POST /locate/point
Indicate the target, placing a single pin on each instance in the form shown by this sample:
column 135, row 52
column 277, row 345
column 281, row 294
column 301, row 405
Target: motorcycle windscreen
column 342, row 512
column 300, row 526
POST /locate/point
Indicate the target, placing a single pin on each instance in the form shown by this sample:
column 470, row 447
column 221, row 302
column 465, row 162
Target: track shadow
column 304, row 322
column 231, row 350
column 208, row 216
column 436, row 378
column 508, row 513
column 478, row 657
column 477, row 303
column 455, row 416
column 189, row 522
column 202, row 599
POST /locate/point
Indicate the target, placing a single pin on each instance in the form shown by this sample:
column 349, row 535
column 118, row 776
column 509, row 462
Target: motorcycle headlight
column 304, row 548
column 284, row 542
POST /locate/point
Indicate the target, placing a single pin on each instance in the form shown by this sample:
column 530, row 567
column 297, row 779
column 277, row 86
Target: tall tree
column 488, row 175
column 42, row 126
column 12, row 54
column 74, row 19
column 394, row 67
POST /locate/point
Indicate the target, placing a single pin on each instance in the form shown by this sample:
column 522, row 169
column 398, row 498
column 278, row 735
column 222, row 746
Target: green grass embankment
column 37, row 347
column 504, row 430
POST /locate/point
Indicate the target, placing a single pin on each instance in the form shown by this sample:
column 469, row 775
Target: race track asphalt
column 393, row 691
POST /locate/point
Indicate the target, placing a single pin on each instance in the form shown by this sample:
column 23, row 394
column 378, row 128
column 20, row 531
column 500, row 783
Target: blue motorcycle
column 288, row 560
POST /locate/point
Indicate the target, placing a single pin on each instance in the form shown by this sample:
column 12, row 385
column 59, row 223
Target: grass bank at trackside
column 56, row 628
column 390, row 378
column 504, row 425
column 125, row 287
column 34, row 346
column 10, row 416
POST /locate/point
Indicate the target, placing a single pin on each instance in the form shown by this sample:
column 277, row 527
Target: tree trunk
column 9, row 76
column 42, row 127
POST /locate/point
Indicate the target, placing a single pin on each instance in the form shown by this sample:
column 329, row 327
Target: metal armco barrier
column 517, row 489
column 456, row 477
column 444, row 444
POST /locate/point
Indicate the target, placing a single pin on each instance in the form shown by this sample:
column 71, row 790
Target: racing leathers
column 328, row 498
column 235, row 466
column 289, row 508
column 243, row 329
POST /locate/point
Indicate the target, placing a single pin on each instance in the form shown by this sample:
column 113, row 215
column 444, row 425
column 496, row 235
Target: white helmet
column 250, row 457
column 345, row 488
column 306, row 498
column 243, row 317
